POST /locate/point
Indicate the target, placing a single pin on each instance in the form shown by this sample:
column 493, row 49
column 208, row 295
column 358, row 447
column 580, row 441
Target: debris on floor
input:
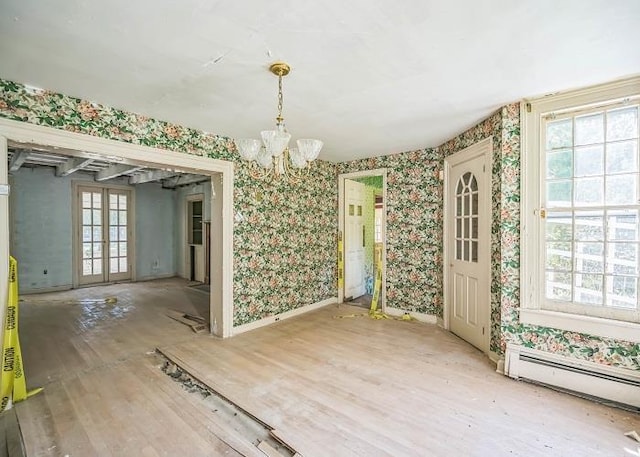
column 633, row 435
column 80, row 301
column 196, row 323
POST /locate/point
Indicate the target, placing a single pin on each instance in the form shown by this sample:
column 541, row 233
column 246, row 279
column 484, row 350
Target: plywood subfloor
column 331, row 387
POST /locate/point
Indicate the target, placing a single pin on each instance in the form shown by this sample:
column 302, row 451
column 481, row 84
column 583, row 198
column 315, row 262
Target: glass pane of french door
column 91, row 240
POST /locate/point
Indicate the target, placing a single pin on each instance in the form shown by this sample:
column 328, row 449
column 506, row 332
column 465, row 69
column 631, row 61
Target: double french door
column 104, row 234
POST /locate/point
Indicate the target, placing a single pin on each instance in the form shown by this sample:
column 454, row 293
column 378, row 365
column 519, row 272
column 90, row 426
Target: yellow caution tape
column 13, row 386
column 340, row 262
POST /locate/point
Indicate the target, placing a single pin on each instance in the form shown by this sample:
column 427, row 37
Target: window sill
column 606, row 328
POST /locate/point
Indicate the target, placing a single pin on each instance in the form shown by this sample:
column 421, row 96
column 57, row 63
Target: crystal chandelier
column 272, row 157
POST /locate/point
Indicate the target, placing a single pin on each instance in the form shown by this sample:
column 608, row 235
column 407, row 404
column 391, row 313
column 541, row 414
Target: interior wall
column 414, row 231
column 373, row 187
column 284, row 234
column 41, row 228
column 155, row 231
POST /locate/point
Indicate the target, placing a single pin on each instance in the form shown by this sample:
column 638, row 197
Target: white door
column 354, row 201
column 104, row 235
column 469, row 246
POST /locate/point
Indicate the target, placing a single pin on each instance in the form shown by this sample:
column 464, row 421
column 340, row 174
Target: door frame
column 75, row 222
column 341, row 222
column 481, row 148
column 77, row 144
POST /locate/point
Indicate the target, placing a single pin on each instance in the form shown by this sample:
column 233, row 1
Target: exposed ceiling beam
column 71, row 166
column 150, row 176
column 184, row 180
column 17, row 159
column 114, row 171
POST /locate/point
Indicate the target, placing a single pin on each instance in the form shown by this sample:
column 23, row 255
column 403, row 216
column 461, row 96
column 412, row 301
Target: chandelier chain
column 280, row 118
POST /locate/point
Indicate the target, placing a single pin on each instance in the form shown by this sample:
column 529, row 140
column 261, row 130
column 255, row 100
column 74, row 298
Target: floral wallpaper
column 284, row 235
column 414, row 232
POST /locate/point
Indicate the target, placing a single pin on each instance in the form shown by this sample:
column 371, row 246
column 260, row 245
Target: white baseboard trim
column 282, row 316
column 422, row 317
column 154, row 277
column 612, row 383
column 46, row 290
column 498, row 360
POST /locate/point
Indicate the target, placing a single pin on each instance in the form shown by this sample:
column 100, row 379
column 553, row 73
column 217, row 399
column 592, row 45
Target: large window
column 581, row 221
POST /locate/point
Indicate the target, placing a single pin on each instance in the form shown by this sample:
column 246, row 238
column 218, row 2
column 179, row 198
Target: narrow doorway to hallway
column 362, row 210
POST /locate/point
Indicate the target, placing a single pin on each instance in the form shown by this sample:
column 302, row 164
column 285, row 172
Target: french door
column 104, row 234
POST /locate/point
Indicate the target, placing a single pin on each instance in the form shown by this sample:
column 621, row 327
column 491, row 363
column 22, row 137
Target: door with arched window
column 467, row 234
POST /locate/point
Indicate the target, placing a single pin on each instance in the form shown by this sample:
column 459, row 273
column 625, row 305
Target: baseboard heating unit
column 618, row 385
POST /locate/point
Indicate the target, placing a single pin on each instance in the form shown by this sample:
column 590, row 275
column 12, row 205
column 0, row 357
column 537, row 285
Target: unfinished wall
column 284, row 234
column 155, row 231
column 42, row 236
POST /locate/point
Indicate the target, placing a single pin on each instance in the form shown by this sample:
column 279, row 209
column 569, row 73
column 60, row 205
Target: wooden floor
column 330, row 387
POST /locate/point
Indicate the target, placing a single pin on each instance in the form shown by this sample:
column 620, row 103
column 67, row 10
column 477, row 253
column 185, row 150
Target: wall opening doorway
column 131, row 165
column 467, row 241
column 362, row 229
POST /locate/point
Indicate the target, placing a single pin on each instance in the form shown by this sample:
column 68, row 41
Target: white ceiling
column 369, row 77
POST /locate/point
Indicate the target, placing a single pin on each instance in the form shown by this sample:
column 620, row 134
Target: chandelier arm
column 259, row 172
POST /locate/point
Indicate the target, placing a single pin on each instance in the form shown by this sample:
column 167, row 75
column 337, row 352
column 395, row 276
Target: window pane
column 113, row 265
column 474, row 204
column 474, row 184
column 588, row 288
column 86, row 250
column 123, row 265
column 622, row 124
column 558, row 226
column 558, row 286
column 123, row 249
column 589, row 161
column 458, row 227
column 113, row 201
column 97, row 250
column 474, row 251
column 97, row 199
column 466, row 250
column 622, row 225
column 122, row 202
column 467, row 204
column 560, row 164
column 558, row 193
column 122, row 233
column 474, row 227
column 113, row 233
column 459, row 206
column 86, row 267
column 467, row 227
column 622, row 157
column 86, row 216
column 589, row 129
column 589, row 225
column 622, row 189
column 97, row 217
column 113, row 249
column 86, row 233
column 589, row 257
column 622, row 258
column 97, row 233
column 122, row 218
column 559, row 256
column 622, row 292
column 458, row 250
column 97, row 267
column 86, row 199
column 559, row 134
column 113, row 217
column 589, row 191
